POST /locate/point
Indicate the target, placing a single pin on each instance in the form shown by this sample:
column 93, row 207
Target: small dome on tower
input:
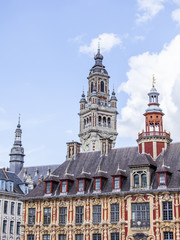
column 83, row 99
column 113, row 95
column 98, row 66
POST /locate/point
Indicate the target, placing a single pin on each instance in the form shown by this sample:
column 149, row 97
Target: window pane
column 136, row 180
column 96, row 213
column 19, row 209
column 140, row 215
column 79, row 214
column 31, row 216
column 167, row 211
column 18, row 228
column 81, row 185
column 5, row 207
column 116, row 183
column 114, row 212
column 143, row 180
column 62, row 237
column 162, row 180
column 12, row 208
column 47, row 216
column 168, row 235
column 30, row 237
column 63, row 186
column 62, row 215
column 97, row 184
column 79, row 237
column 114, row 236
column 11, row 227
column 48, row 187
column 46, row 237
column 96, row 236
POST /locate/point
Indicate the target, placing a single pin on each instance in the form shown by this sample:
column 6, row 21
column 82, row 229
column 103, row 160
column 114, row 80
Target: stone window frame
column 140, row 171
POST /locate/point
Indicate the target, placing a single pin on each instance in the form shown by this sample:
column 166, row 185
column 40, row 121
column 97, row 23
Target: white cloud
column 165, row 66
column 107, row 42
column 148, row 9
column 176, row 15
column 77, row 39
column 69, row 131
column 139, row 38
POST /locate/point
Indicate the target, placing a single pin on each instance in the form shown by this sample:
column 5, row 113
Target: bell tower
column 98, row 112
column 17, row 151
column 154, row 139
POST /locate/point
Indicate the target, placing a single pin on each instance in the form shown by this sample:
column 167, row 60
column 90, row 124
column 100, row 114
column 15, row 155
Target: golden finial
column 154, row 81
column 83, row 170
column 66, row 171
column 118, row 167
column 99, row 169
column 163, row 163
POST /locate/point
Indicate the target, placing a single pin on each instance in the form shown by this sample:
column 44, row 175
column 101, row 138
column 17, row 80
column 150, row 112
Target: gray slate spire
column 17, row 151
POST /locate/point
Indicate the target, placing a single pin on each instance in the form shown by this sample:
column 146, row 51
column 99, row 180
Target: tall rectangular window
column 18, row 230
column 79, row 237
column 116, row 183
column 62, row 237
column 162, row 179
column 79, row 215
column 81, row 185
column 168, row 235
column 31, row 216
column 96, row 214
column 96, row 236
column 167, row 211
column 48, row 187
column 11, row 227
column 19, row 209
column 5, row 207
column 63, row 186
column 140, row 215
column 47, row 216
column 4, row 226
column 62, row 215
column 114, row 213
column 30, row 237
column 46, row 237
column 114, row 236
column 12, row 208
column 97, row 184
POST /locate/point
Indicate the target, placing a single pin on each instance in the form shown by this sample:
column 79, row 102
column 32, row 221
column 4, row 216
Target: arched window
column 84, row 123
column 104, row 121
column 91, row 86
column 143, row 180
column 109, row 122
column 99, row 120
column 151, row 127
column 89, row 120
column 102, row 86
column 157, row 127
column 136, row 180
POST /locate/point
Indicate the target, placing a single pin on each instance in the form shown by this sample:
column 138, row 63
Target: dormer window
column 162, row 179
column 116, row 182
column 64, row 186
column 80, row 186
column 2, row 185
column 140, row 179
column 97, row 184
column 48, row 187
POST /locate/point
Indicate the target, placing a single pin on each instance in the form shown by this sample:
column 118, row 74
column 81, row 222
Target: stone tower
column 17, row 152
column 98, row 112
column 154, row 139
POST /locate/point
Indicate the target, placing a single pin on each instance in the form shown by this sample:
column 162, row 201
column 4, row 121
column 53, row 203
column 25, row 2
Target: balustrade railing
column 140, row 223
column 154, row 133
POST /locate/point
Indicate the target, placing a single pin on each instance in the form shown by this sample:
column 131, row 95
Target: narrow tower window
column 102, row 86
column 91, row 86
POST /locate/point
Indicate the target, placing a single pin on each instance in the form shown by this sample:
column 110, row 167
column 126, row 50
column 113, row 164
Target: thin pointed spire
column 99, row 39
column 153, row 81
column 19, row 121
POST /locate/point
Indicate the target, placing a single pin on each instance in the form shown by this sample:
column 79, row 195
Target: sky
column 46, row 52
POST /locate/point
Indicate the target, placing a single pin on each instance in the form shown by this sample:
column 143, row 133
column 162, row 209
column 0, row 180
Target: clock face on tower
column 86, row 145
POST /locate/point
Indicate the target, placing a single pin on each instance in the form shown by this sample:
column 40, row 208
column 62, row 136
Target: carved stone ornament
column 79, row 202
column 114, row 200
column 166, row 227
column 63, row 203
column 140, row 199
column 166, row 196
column 96, row 200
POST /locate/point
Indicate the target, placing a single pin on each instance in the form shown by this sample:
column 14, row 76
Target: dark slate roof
column 123, row 157
column 10, row 176
column 36, row 172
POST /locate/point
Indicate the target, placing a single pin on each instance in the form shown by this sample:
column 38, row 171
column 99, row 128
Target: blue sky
column 46, row 52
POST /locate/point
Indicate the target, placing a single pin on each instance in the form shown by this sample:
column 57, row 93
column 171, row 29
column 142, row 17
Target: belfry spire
column 17, row 151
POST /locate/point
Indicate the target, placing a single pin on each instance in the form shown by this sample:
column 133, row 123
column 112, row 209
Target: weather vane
column 154, row 81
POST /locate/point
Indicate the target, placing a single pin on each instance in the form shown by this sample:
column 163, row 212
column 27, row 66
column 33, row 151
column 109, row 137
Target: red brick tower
column 154, row 139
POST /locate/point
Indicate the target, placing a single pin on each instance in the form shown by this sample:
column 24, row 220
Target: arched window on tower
column 151, row 127
column 102, row 86
column 104, row 121
column 84, row 123
column 99, row 120
column 91, row 86
column 157, row 127
column 90, row 121
column 109, row 122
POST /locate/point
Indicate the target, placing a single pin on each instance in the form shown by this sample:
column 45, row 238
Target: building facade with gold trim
column 107, row 193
